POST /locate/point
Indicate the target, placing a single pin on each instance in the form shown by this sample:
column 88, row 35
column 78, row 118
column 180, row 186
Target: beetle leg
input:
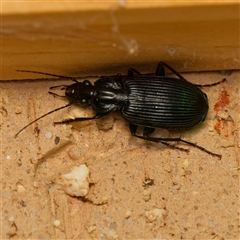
column 161, row 64
column 98, row 115
column 201, row 148
column 211, row 84
column 160, row 70
column 131, row 72
column 147, row 131
column 164, row 140
column 133, row 129
column 119, row 78
column 174, row 146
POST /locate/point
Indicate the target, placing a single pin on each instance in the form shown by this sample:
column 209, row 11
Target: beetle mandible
column 146, row 100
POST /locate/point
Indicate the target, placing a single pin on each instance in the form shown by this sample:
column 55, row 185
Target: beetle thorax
column 107, row 100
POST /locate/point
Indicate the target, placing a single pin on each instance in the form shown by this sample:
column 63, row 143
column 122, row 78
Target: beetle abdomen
column 168, row 103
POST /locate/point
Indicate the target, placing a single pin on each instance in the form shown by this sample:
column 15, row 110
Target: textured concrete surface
column 137, row 190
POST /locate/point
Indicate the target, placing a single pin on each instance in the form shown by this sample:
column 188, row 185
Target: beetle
column 147, row 100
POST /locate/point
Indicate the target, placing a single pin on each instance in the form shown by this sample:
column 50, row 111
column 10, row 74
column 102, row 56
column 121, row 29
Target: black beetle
column 147, row 100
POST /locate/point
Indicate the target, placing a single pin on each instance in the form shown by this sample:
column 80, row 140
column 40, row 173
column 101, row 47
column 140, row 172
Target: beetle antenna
column 63, row 87
column 44, row 115
column 48, row 74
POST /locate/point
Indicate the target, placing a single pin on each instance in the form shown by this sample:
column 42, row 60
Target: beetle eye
column 86, row 82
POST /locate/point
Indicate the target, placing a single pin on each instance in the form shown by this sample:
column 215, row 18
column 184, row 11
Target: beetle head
column 80, row 92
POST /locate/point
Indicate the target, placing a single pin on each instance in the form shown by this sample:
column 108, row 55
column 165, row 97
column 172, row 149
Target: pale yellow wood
column 16, row 7
column 77, row 43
